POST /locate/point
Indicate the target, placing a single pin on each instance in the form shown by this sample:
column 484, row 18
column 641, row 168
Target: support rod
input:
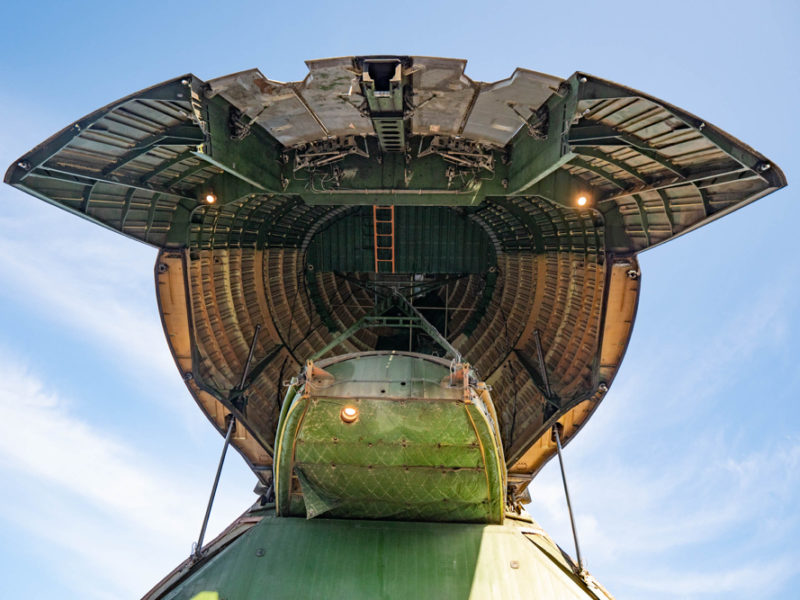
column 197, row 551
column 542, row 365
column 427, row 326
column 566, row 493
column 250, row 356
column 198, row 547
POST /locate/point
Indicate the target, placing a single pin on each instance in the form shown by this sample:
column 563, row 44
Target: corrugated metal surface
column 326, row 103
column 127, row 166
column 665, row 170
column 429, row 240
column 143, row 166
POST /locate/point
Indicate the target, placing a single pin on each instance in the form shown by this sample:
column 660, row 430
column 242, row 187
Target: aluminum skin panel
column 492, row 119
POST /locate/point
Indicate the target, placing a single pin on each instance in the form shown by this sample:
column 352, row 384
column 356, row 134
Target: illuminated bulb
column 211, row 198
column 582, row 201
column 349, row 414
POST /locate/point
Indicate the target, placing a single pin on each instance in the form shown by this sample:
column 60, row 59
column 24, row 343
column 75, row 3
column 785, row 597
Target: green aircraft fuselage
column 397, row 289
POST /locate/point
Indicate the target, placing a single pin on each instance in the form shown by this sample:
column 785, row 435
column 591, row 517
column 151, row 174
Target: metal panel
column 430, row 240
column 493, row 120
column 442, row 96
column 331, row 91
column 272, row 104
column 650, row 172
column 423, row 445
column 286, row 558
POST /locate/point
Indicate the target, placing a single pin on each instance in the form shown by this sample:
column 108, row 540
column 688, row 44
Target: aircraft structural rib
column 513, row 213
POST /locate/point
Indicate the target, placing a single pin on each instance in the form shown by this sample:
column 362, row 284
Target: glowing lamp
column 349, row 414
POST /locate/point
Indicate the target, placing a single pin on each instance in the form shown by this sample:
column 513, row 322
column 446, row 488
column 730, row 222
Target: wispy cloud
column 758, row 579
column 673, row 496
column 120, row 518
column 102, row 511
column 710, row 506
column 91, row 282
column 95, row 284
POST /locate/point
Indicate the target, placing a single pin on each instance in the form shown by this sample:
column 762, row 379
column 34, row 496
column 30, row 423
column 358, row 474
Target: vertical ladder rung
column 379, row 239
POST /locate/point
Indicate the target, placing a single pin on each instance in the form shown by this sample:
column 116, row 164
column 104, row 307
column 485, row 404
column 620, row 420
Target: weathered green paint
column 579, row 162
column 88, row 177
column 290, row 558
column 254, row 159
column 147, row 184
column 533, row 159
column 586, row 135
column 594, row 88
column 422, row 450
column 392, row 178
column 417, row 451
column 432, row 240
column 383, row 83
column 621, row 164
column 174, row 90
column 172, row 136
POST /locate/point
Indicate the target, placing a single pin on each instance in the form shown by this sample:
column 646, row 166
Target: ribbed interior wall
column 506, row 315
column 256, row 221
column 129, row 169
column 299, row 325
column 520, row 405
column 462, row 296
column 549, row 277
column 226, row 306
column 618, row 170
column 347, row 303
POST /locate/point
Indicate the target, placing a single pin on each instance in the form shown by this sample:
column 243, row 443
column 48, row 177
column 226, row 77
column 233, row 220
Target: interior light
column 211, row 198
column 349, row 414
column 582, row 200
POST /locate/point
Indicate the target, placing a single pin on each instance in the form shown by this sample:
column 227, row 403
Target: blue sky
column 685, row 482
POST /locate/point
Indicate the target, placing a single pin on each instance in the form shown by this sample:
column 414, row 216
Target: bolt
column 260, row 552
column 514, row 564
